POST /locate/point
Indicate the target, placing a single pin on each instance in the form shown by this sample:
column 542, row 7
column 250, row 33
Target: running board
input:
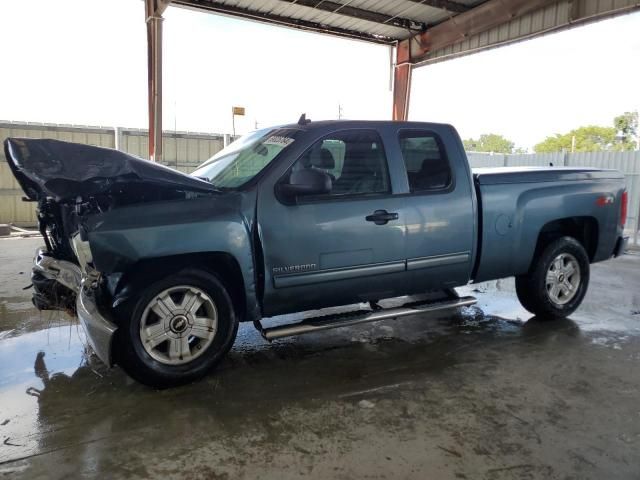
column 354, row 318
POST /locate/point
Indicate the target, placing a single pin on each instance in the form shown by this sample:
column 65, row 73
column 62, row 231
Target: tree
column 489, row 142
column 627, row 127
column 594, row 138
column 591, row 138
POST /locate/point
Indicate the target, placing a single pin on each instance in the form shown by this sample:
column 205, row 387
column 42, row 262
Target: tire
column 194, row 344
column 544, row 290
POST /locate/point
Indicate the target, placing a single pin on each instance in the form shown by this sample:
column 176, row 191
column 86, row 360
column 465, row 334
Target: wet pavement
column 486, row 392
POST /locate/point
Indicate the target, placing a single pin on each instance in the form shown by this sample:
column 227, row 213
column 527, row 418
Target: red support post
column 153, row 14
column 402, row 81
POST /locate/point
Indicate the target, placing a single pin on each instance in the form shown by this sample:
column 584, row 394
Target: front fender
column 124, row 237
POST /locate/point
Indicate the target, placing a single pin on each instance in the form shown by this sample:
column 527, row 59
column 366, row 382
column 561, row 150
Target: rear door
column 440, row 213
column 344, row 246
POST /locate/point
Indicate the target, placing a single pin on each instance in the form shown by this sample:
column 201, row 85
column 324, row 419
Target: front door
column 341, row 247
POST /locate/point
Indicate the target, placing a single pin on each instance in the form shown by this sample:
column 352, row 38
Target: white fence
column 627, row 162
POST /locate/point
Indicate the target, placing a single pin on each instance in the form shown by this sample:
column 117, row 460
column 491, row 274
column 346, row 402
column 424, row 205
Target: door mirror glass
column 305, row 182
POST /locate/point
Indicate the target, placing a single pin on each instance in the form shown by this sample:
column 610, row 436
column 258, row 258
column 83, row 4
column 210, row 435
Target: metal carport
column 420, row 31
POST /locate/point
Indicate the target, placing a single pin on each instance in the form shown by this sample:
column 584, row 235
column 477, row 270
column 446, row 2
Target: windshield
column 235, row 165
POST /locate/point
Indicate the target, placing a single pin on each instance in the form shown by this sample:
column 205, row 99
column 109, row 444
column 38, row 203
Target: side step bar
column 362, row 316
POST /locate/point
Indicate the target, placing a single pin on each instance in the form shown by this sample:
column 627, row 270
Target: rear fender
column 511, row 229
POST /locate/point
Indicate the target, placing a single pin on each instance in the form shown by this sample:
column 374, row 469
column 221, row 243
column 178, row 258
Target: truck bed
column 517, row 203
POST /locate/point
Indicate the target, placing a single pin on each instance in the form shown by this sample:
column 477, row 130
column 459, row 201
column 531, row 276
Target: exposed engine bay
column 71, row 182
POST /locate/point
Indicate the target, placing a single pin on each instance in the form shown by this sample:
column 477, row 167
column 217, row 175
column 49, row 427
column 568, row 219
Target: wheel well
column 147, row 271
column 583, row 229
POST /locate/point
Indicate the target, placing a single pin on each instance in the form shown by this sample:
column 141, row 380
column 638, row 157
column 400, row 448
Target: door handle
column 381, row 217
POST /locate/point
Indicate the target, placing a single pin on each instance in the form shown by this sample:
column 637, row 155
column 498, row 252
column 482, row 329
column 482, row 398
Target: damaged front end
column 63, row 285
column 73, row 185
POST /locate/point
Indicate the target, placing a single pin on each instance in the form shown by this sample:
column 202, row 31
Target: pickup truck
column 160, row 267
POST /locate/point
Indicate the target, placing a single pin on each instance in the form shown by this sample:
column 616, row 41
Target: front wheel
column 558, row 280
column 179, row 328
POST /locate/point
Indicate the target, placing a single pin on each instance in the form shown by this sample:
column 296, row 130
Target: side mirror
column 305, row 182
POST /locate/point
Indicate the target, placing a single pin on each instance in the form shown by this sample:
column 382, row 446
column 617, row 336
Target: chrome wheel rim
column 563, row 279
column 178, row 325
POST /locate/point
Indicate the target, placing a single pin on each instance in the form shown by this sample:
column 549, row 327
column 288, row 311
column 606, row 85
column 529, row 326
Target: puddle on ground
column 55, row 349
column 29, row 364
column 52, row 391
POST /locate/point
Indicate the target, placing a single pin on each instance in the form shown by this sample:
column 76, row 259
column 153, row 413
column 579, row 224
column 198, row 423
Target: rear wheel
column 558, row 280
column 177, row 330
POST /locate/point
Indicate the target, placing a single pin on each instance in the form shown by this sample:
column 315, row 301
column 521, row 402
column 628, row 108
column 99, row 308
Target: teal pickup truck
column 160, row 266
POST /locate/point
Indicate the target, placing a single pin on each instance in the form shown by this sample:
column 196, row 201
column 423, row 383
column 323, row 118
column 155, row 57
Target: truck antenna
column 303, row 120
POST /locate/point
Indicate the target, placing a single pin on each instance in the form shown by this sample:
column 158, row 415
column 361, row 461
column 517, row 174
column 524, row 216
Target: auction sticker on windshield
column 278, row 140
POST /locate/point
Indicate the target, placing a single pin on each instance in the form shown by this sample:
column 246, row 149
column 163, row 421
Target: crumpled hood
column 64, row 170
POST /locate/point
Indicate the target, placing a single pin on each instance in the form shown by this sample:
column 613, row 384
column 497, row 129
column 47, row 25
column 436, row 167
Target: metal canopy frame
column 245, row 13
column 420, row 30
column 399, row 18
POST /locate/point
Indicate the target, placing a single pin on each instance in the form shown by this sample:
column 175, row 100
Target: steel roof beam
column 480, row 19
column 355, row 12
column 453, row 7
column 267, row 17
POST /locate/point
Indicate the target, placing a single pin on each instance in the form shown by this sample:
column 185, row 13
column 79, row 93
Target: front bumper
column 98, row 328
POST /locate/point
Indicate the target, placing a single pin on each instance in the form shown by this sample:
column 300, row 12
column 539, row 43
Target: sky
column 77, row 62
column 526, row 91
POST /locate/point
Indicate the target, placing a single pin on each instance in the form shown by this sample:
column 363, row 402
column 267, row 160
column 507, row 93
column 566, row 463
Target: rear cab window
column 425, row 160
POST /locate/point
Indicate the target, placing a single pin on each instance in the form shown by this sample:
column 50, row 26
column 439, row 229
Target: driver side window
column 354, row 160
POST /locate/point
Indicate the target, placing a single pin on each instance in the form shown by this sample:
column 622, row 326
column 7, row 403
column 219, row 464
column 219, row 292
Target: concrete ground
column 486, row 392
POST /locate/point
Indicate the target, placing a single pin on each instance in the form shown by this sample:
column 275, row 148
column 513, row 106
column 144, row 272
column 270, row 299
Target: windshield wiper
column 221, row 189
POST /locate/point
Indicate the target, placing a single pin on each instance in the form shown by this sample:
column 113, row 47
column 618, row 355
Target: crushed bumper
column 98, row 328
column 65, row 273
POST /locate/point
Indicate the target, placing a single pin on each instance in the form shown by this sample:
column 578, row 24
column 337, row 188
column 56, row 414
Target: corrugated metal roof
column 387, row 22
column 378, row 21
